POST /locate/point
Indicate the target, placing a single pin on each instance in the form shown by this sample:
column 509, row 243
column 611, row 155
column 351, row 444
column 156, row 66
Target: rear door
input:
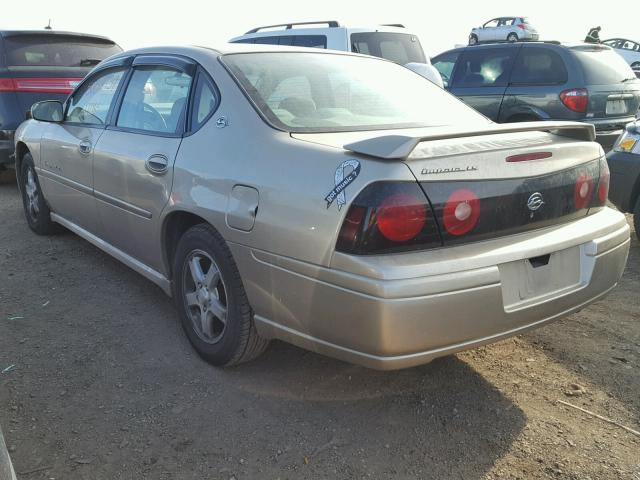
column 481, row 77
column 67, row 148
column 538, row 75
column 133, row 166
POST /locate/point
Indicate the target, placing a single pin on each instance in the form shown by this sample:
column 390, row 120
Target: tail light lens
column 388, row 217
column 39, row 85
column 461, row 212
column 576, row 99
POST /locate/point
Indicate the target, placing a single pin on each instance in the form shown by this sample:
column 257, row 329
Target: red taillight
column 603, row 182
column 461, row 212
column 525, row 157
column 576, row 99
column 39, row 85
column 583, row 191
column 401, row 217
column 351, row 226
column 522, row 26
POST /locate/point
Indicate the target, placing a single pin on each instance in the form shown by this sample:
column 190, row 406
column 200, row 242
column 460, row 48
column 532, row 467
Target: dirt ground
column 99, row 382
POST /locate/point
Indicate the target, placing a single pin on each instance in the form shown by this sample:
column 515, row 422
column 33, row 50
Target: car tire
column 35, row 206
column 211, row 300
column 635, row 65
column 512, row 37
column 636, row 218
column 473, row 39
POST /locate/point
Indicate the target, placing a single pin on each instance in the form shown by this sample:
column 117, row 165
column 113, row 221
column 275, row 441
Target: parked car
column 627, row 49
column 335, row 201
column 392, row 42
column 624, row 163
column 506, row 29
column 39, row 65
column 545, row 81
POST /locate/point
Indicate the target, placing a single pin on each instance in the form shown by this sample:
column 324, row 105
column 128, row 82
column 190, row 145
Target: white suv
column 510, row 29
column 392, row 42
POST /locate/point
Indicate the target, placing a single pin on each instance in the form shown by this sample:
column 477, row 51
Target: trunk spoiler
column 399, row 147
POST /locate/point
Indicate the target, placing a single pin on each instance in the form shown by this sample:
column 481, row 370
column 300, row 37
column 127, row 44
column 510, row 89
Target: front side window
column 484, row 67
column 400, row 48
column 315, row 92
column 491, row 23
column 155, row 100
column 538, row 66
column 445, row 64
column 91, row 102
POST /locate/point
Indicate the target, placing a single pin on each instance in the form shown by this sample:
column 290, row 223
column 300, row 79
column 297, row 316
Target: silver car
column 335, row 201
column 501, row 29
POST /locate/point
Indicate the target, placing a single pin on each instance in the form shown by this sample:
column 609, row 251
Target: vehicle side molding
column 399, row 147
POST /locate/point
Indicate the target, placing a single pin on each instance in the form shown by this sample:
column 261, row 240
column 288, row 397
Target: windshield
column 400, row 48
column 602, row 66
column 57, row 51
column 316, row 92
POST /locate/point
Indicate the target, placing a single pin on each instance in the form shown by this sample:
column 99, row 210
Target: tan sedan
column 338, row 202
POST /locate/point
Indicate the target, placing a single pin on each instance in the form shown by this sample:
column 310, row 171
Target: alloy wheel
column 205, row 296
column 31, row 191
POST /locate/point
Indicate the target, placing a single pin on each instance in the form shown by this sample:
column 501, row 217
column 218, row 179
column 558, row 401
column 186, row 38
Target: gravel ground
column 99, row 382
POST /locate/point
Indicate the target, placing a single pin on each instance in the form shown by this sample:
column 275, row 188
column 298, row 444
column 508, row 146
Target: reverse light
column 461, row 212
column 576, row 99
column 583, row 191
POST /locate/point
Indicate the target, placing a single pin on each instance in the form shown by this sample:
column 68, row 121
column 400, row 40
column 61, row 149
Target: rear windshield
column 601, row 65
column 56, row 51
column 400, row 48
column 315, row 92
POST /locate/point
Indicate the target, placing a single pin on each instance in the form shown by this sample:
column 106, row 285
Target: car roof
column 19, row 33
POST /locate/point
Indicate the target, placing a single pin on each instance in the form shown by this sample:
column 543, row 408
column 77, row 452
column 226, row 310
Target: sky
column 440, row 26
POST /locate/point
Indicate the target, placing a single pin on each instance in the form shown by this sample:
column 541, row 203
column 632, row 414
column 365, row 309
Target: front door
column 133, row 163
column 67, row 149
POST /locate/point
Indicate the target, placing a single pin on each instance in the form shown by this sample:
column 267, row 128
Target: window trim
column 156, row 62
column 97, row 73
column 201, row 73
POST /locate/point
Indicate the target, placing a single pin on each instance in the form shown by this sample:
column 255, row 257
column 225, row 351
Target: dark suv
column 545, row 81
column 41, row 65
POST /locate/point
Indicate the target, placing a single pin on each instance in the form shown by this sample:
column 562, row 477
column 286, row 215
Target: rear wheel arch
column 173, row 227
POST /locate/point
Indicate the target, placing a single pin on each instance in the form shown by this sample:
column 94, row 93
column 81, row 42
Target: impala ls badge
column 535, row 202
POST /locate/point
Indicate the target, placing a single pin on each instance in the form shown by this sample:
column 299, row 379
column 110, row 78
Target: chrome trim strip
column 122, row 205
column 128, row 260
column 64, row 181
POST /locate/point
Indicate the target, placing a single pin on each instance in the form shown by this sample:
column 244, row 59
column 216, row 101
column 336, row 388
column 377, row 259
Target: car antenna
column 48, row 27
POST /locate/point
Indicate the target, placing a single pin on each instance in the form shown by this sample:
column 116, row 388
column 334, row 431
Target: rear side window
column 155, row 100
column 205, row 101
column 56, row 51
column 538, row 66
column 400, row 48
column 309, row 41
column 601, row 65
column 487, row 67
column 91, row 102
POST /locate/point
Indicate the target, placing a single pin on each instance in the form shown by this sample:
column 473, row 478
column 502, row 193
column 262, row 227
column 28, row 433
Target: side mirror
column 47, row 111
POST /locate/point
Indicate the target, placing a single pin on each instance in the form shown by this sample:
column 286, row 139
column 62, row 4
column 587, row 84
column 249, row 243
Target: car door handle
column 157, row 164
column 85, row 147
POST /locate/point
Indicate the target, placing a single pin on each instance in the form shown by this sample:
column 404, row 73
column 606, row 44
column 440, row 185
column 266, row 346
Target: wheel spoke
column 213, row 277
column 192, row 299
column 219, row 311
column 206, row 323
column 196, row 271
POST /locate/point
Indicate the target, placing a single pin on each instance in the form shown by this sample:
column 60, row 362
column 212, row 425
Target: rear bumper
column 6, row 146
column 391, row 312
column 625, row 175
column 609, row 129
